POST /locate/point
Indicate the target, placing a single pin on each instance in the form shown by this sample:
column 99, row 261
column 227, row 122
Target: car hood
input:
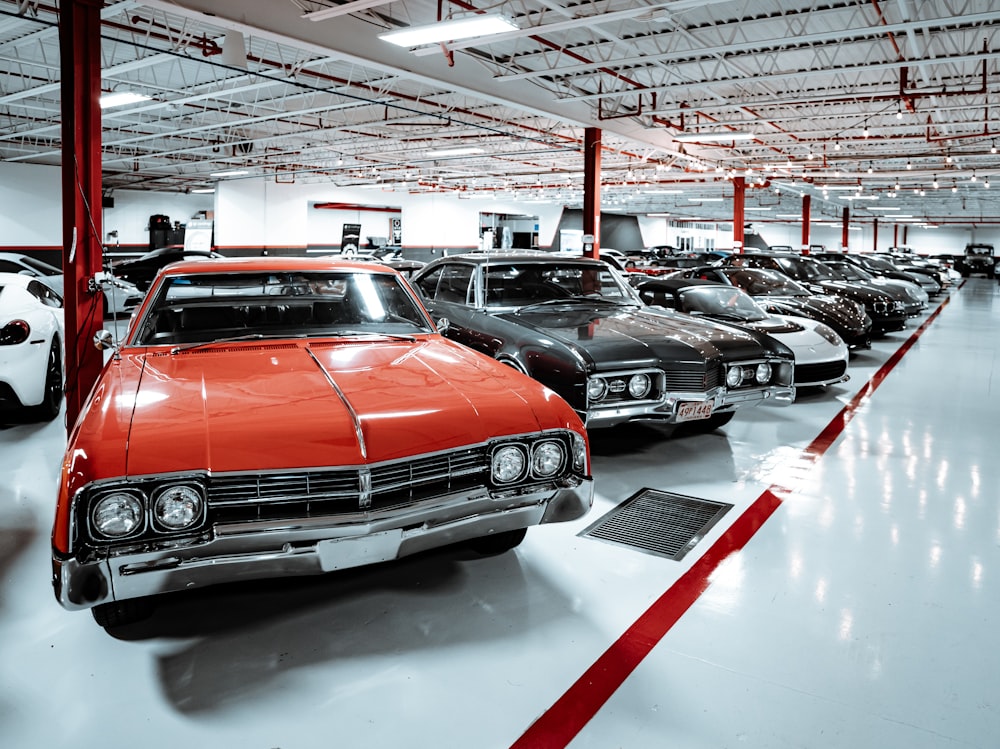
column 834, row 309
column 639, row 337
column 860, row 291
column 240, row 407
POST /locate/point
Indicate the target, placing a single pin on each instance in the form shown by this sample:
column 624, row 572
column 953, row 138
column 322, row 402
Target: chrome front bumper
column 665, row 410
column 257, row 550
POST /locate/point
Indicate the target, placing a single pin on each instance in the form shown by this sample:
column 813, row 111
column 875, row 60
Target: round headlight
column 734, row 376
column 763, row 373
column 117, row 515
column 547, row 459
column 639, row 385
column 177, row 507
column 508, row 464
column 597, row 388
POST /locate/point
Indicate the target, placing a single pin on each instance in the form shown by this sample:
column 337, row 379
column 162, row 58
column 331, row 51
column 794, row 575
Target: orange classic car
column 288, row 416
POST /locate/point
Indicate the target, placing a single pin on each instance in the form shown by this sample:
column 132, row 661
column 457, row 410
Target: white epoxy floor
column 861, row 613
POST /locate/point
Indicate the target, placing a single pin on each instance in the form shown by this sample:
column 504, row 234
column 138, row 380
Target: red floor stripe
column 557, row 726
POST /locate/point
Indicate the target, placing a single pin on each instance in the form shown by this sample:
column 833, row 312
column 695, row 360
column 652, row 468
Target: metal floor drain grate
column 661, row 523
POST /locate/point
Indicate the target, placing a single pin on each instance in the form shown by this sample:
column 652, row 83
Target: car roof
column 16, row 279
column 273, row 264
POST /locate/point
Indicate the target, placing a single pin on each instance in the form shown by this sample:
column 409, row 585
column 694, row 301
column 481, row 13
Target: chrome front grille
column 698, row 380
column 336, row 491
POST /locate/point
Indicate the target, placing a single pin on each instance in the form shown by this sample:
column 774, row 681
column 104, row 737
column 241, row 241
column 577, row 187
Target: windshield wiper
column 368, row 333
column 229, row 339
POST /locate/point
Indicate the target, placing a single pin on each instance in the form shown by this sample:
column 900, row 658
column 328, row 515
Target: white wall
column 31, row 197
column 259, row 213
column 130, row 216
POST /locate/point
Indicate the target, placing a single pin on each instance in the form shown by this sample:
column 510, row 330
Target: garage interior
column 843, row 597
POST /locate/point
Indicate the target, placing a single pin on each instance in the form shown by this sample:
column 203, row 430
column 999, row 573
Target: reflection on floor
column 858, row 609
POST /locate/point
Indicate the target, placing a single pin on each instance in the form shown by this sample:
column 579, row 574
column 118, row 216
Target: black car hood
column 860, row 291
column 833, row 310
column 639, row 337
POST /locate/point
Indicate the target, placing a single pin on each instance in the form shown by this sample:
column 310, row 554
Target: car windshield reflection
column 722, row 301
column 532, row 284
column 208, row 307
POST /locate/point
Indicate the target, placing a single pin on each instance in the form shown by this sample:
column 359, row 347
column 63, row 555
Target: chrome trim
column 261, row 550
column 343, row 399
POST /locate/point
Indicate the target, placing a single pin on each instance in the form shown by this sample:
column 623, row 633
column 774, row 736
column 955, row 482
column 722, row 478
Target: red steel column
column 806, row 207
column 592, row 186
column 845, row 225
column 80, row 52
column 739, row 198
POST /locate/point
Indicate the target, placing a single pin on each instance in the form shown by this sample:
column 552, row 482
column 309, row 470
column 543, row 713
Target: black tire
column 712, row 423
column 52, row 399
column 497, row 543
column 120, row 613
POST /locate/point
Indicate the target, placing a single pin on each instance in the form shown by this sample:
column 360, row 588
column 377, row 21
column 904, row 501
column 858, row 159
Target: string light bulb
column 934, row 184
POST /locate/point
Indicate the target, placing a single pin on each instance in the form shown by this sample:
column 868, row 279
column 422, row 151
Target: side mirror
column 103, row 340
column 442, row 325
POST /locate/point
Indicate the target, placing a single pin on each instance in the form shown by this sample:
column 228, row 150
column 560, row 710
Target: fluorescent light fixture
column 230, row 173
column 787, row 215
column 705, row 200
column 463, row 151
column 121, row 98
column 717, row 136
column 757, row 208
column 658, row 215
column 884, row 208
column 858, row 197
column 662, row 192
column 204, row 190
column 485, row 24
column 838, row 187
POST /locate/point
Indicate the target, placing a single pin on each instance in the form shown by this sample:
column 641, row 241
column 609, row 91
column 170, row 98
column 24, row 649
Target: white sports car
column 820, row 354
column 31, row 348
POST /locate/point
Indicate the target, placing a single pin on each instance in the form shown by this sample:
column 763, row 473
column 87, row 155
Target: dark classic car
column 141, row 270
column 577, row 326
column 884, row 267
column 778, row 293
column 251, row 426
column 885, row 308
column 821, row 356
column 913, row 297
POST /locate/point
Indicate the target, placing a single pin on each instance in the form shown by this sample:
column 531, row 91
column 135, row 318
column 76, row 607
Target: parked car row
column 284, row 415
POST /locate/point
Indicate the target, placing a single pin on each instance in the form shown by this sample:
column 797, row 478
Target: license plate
column 694, row 411
column 355, row 551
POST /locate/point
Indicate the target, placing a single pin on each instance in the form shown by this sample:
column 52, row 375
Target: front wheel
column 120, row 613
column 711, row 423
column 53, row 395
column 497, row 543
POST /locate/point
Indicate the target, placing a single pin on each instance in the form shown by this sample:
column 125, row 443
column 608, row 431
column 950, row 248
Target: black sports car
column 913, row 297
column 142, row 269
column 778, row 293
column 883, row 307
column 577, row 326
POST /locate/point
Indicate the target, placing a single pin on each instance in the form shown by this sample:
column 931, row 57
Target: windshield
column 804, row 270
column 848, row 271
column 205, row 307
column 518, row 285
column 880, row 264
column 44, row 268
column 722, row 301
column 767, row 283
